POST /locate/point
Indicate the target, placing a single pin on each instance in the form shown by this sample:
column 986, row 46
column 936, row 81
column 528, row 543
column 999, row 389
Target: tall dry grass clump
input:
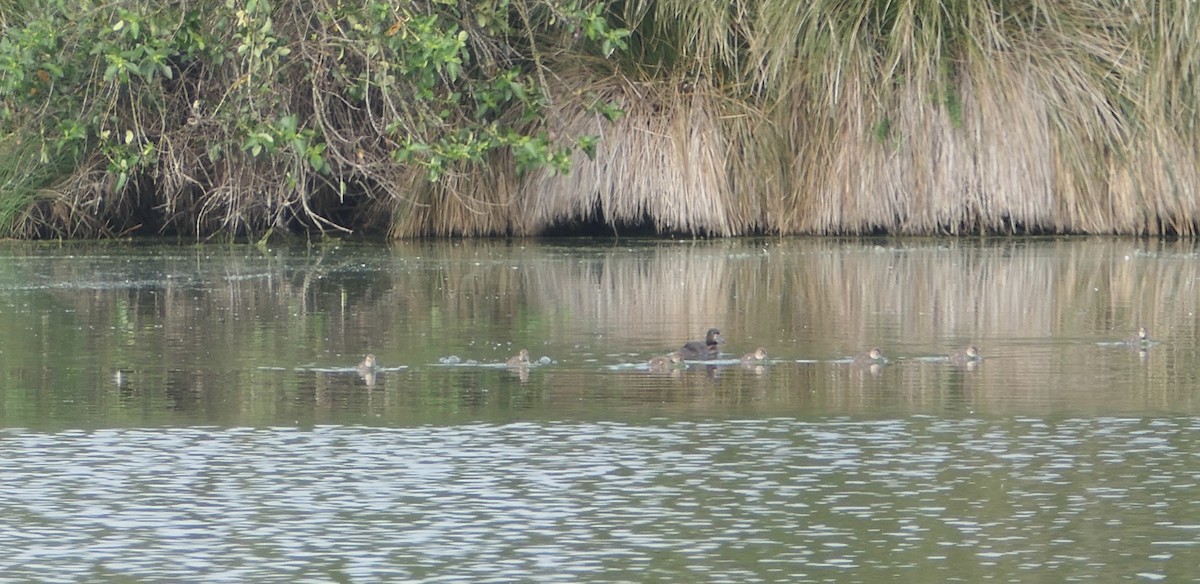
column 925, row 117
column 918, row 117
column 662, row 161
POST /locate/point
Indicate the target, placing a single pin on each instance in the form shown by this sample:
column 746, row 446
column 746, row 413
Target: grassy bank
column 520, row 116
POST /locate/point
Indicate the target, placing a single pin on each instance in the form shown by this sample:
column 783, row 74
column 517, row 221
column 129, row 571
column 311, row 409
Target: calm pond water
column 193, row 413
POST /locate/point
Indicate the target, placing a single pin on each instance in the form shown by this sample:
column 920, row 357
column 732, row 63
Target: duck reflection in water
column 709, row 348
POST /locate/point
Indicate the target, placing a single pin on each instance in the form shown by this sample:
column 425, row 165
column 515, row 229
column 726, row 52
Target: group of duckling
column 967, row 356
column 521, row 359
column 710, row 348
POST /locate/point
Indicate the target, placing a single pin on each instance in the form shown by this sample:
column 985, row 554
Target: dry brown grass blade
column 664, row 159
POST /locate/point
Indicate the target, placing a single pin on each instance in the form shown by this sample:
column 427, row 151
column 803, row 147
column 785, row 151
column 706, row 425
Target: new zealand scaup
column 706, row 349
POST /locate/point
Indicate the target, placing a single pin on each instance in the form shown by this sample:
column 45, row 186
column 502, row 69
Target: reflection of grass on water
column 930, row 289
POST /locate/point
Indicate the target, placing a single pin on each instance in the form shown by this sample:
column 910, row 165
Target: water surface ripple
column 918, row 499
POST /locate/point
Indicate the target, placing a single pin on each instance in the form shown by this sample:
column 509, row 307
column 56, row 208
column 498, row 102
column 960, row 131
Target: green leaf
column 588, row 143
column 318, row 162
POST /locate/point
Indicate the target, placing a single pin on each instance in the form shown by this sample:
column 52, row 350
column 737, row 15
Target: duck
column 966, row 356
column 1141, row 339
column 871, row 357
column 758, row 355
column 706, row 349
column 664, row 363
column 521, row 359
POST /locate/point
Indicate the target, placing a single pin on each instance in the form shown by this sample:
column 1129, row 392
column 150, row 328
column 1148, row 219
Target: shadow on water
column 116, row 334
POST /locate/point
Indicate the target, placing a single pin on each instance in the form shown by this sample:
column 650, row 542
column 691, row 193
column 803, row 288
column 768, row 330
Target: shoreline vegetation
column 250, row 118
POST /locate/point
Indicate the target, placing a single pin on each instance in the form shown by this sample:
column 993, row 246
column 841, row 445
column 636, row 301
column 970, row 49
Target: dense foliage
column 237, row 116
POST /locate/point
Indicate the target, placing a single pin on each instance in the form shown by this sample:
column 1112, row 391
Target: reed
column 904, row 117
column 664, row 160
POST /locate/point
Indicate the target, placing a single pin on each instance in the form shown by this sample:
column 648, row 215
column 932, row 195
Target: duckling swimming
column 969, row 355
column 872, row 357
column 758, row 355
column 521, row 359
column 706, row 349
column 1140, row 340
column 366, row 369
column 665, row 363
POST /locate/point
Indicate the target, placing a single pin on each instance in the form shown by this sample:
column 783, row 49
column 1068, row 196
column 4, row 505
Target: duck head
column 713, row 338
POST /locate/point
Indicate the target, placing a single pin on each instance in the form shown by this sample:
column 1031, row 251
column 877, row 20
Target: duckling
column 1140, row 340
column 664, row 363
column 521, row 359
column 366, row 369
column 872, row 357
column 758, row 355
column 966, row 356
column 706, row 349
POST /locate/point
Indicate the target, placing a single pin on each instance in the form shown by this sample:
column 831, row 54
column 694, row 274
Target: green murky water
column 194, row 412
